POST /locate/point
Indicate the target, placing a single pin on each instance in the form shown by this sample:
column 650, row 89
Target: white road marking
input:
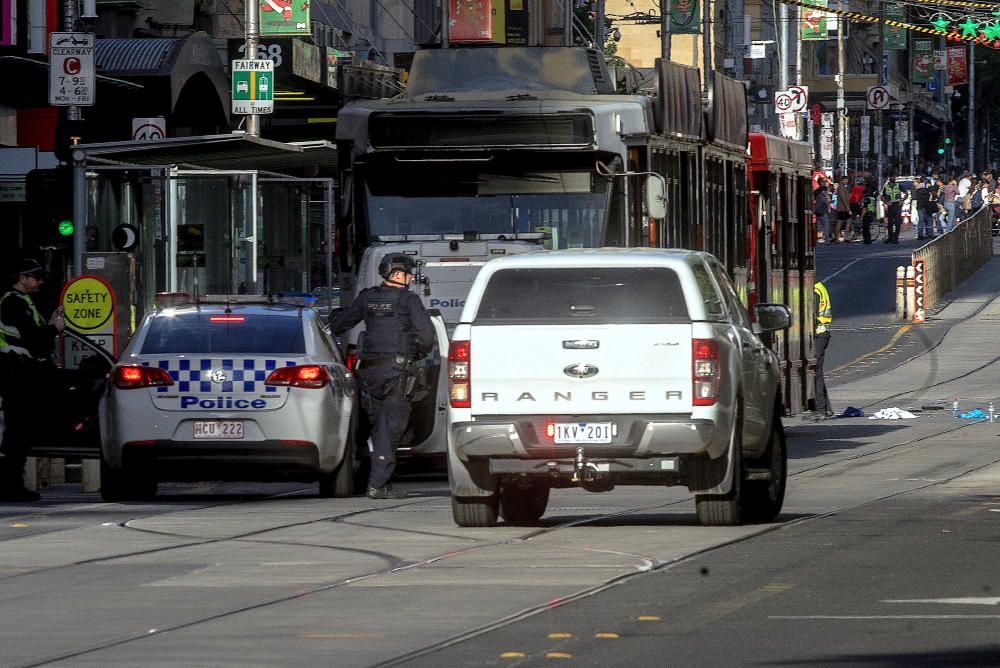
column 965, row 600
column 869, row 617
column 842, row 269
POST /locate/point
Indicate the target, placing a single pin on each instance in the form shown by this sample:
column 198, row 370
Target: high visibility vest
column 824, row 314
column 10, row 336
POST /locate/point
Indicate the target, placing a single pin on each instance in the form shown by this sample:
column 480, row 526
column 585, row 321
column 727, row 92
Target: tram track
column 395, row 564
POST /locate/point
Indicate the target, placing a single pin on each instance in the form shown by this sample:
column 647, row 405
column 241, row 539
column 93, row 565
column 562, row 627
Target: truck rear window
column 605, row 295
column 197, row 333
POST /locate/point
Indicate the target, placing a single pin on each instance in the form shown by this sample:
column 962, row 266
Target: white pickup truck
column 604, row 367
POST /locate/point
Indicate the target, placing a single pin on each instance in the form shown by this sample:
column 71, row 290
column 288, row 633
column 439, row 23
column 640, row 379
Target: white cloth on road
column 892, row 414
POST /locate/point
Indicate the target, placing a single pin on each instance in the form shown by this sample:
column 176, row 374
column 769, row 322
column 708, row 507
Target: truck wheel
column 523, row 501
column 764, row 489
column 716, row 510
column 125, row 485
column 475, row 511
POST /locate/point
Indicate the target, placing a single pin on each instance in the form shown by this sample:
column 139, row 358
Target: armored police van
column 447, row 264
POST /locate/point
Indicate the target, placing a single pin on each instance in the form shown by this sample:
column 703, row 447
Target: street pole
column 599, row 26
column 73, row 115
column 972, row 109
column 666, row 7
column 783, row 46
column 841, row 105
column 706, row 40
column 250, row 53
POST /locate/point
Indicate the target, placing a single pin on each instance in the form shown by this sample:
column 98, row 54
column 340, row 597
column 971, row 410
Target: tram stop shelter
column 215, row 214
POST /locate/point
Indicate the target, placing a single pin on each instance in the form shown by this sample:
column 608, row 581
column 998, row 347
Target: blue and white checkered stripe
column 245, row 376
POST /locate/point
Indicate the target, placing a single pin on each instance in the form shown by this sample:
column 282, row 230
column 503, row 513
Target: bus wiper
column 581, row 309
column 521, row 96
column 439, row 98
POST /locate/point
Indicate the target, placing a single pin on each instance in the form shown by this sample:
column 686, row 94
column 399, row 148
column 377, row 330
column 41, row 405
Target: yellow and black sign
column 89, row 305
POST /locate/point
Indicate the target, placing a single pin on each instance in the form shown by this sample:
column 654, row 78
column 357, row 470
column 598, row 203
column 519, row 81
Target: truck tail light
column 459, row 378
column 134, row 377
column 309, row 376
column 705, row 371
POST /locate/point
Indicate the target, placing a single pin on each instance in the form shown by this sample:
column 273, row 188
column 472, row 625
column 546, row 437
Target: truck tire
column 125, row 485
column 475, row 511
column 523, row 501
column 716, row 510
column 764, row 490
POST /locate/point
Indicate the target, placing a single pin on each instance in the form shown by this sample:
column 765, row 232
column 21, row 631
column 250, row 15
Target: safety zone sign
column 89, row 310
column 253, row 86
column 792, row 100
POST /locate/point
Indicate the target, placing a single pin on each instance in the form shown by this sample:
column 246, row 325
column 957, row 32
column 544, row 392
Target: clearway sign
column 253, row 86
column 71, row 69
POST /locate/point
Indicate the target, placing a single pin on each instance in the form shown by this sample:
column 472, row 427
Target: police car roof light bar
column 466, row 236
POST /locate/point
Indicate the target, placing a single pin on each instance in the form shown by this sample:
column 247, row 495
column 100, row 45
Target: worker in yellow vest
column 824, row 317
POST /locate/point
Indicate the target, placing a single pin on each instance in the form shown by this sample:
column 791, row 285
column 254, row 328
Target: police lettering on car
column 398, row 332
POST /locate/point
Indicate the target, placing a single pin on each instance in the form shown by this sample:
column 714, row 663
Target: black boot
column 386, row 491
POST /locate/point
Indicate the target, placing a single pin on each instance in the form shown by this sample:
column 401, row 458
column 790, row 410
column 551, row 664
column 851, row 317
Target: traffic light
column 49, row 199
column 941, row 149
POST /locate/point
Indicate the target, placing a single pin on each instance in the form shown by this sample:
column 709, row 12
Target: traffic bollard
column 900, row 293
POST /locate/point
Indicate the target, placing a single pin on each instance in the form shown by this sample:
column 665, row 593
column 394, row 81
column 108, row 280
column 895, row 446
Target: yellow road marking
column 895, row 337
column 512, row 655
column 558, row 655
column 649, row 618
column 560, row 635
column 18, row 525
column 606, row 635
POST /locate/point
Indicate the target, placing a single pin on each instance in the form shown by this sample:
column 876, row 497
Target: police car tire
column 125, row 485
column 475, row 511
column 523, row 501
column 718, row 510
column 339, row 483
column 762, row 499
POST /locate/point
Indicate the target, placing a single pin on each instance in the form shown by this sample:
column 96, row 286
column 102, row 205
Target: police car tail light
column 459, row 384
column 136, row 377
column 351, row 360
column 311, row 376
column 705, row 371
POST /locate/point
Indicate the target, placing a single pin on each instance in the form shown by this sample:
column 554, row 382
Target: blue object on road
column 851, row 411
column 974, row 414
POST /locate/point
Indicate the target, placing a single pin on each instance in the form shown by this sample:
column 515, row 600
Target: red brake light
column 459, row 376
column 135, row 377
column 705, row 371
column 352, row 359
column 550, row 429
column 226, row 318
column 310, row 376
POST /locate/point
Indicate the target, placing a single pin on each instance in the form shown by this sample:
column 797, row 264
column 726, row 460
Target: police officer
column 398, row 331
column 26, row 370
column 824, row 317
column 892, row 196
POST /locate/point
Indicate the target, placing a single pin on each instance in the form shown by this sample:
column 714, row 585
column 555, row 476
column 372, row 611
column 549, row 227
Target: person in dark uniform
column 26, row 374
column 398, row 331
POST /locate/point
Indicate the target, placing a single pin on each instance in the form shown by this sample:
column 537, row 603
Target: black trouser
column 866, row 226
column 24, row 397
column 389, row 412
column 894, row 218
column 822, row 398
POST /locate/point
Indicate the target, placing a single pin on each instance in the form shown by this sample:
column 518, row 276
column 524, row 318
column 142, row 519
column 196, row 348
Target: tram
column 549, row 145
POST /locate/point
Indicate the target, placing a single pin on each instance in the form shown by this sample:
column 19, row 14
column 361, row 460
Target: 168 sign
column 71, row 69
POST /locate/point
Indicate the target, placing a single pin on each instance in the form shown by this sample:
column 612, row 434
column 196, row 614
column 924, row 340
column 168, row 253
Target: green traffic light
column 947, row 140
column 65, row 227
column 940, row 151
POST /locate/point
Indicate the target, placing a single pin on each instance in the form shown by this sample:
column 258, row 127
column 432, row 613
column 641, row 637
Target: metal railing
column 953, row 257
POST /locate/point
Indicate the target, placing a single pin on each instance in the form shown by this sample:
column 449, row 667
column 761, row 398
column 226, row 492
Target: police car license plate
column 583, row 432
column 218, row 429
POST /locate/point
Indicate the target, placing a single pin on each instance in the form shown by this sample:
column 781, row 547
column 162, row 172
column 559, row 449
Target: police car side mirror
column 656, row 197
column 772, row 317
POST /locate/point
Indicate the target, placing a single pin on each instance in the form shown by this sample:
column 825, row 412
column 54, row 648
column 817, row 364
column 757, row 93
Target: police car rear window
column 195, row 333
column 606, row 295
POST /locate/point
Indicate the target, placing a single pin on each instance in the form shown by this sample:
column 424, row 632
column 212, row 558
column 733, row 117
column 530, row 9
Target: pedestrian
column 843, row 208
column 920, row 202
column 821, row 207
column 892, row 197
column 823, row 320
column 868, row 217
column 949, row 193
column 857, row 202
column 397, row 333
column 27, row 375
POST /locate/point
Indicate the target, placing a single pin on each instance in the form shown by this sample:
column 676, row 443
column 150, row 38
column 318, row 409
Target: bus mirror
column 656, row 197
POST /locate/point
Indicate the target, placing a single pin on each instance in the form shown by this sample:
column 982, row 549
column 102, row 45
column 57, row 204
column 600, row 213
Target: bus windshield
column 571, row 206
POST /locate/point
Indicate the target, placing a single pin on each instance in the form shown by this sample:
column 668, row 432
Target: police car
column 228, row 388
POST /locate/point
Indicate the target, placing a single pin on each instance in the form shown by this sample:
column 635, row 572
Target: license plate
column 583, row 432
column 218, row 429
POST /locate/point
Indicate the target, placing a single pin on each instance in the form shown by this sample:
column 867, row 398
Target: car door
column 754, row 356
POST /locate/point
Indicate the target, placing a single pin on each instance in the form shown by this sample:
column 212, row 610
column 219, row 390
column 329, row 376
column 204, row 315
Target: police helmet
column 395, row 262
column 29, row 267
